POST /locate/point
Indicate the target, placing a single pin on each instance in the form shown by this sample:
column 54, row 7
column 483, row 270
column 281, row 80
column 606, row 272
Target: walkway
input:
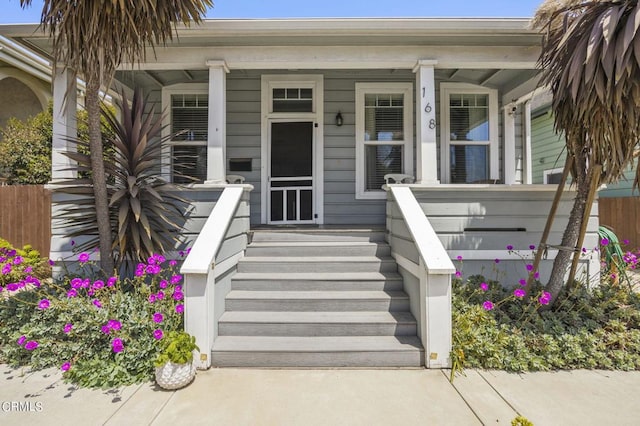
column 329, row 397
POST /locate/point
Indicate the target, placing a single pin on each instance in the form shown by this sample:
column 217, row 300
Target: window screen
column 384, row 117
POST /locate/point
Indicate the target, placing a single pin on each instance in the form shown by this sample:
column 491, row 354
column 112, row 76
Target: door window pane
column 277, row 211
column 306, row 205
column 291, row 149
column 379, row 161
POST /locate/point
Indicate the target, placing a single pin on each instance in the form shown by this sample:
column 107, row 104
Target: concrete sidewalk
column 329, row 397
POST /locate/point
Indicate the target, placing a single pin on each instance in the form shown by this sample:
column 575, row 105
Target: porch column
column 509, row 112
column 64, row 123
column 528, row 165
column 216, row 141
column 426, row 148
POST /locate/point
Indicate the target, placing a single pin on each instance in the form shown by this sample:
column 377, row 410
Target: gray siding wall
column 488, row 219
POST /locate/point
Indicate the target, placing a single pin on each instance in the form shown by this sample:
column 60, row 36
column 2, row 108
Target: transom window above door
column 292, row 100
column 384, row 135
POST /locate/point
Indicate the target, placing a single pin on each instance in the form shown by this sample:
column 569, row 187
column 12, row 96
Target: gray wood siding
column 488, row 219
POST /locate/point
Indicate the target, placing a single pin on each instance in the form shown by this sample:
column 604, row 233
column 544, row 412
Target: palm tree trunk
column 572, row 231
column 98, row 175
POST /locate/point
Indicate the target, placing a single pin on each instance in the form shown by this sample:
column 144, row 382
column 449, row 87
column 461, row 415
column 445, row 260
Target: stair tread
column 317, row 244
column 315, row 294
column 370, row 317
column 347, row 259
column 317, row 276
column 317, row 344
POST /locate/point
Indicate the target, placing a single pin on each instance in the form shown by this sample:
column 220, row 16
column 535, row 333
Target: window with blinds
column 383, row 135
column 469, row 133
column 189, row 132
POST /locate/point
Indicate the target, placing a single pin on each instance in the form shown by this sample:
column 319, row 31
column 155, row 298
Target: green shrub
column 18, row 264
column 101, row 333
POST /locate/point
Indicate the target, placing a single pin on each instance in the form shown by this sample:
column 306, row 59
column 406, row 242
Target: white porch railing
column 433, row 272
column 201, row 271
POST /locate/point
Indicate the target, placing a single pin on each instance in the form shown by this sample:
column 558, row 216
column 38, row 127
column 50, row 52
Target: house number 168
column 428, row 109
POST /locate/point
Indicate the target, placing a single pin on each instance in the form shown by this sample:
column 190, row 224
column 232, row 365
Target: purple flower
column 6, row 269
column 459, row 257
column 44, row 304
column 67, row 328
column 51, row 262
column 152, row 298
column 160, row 295
column 117, row 345
column 614, row 276
column 114, row 324
column 83, row 257
column 522, row 282
column 532, row 247
column 158, row 317
column 158, row 334
column 484, row 286
column 73, row 243
column 545, row 298
column 105, row 329
column 518, row 292
column 90, row 292
column 31, row 345
column 18, row 260
column 28, row 269
column 22, row 339
column 509, row 247
column 178, row 295
column 529, row 267
column 72, row 293
column 65, row 367
column 181, row 253
column 163, row 284
column 536, row 275
column 180, row 308
column 604, row 242
column 178, row 288
column 96, row 303
column 487, row 305
column 12, row 287
column 458, row 274
column 76, row 283
column 97, row 285
column 625, row 242
column 496, row 260
column 111, row 281
column 175, row 279
column 173, row 263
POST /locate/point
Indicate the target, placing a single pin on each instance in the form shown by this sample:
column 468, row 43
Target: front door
column 290, row 184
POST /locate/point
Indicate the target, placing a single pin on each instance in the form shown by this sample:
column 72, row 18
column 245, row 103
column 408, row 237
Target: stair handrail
column 432, row 253
column 201, row 257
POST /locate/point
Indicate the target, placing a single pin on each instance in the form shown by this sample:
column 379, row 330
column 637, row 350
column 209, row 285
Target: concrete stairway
column 317, row 298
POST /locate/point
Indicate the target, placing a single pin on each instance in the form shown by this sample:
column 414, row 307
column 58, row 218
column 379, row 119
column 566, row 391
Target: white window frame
column 448, row 89
column 362, row 89
column 547, row 172
column 167, row 91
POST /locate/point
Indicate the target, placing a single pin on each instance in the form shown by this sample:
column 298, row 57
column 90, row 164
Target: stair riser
column 315, row 305
column 318, row 251
column 315, row 329
column 316, row 267
column 314, row 359
column 293, row 285
column 319, row 236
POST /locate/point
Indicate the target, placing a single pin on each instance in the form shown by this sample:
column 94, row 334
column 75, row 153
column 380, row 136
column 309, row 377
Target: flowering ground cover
column 100, row 331
column 507, row 326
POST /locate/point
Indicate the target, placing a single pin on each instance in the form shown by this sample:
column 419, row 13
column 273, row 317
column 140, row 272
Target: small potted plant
column 174, row 364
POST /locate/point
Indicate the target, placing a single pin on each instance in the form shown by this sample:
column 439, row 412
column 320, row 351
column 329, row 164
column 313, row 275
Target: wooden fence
column 621, row 214
column 25, row 216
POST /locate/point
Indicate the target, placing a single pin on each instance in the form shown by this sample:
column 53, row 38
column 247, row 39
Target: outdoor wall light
column 339, row 120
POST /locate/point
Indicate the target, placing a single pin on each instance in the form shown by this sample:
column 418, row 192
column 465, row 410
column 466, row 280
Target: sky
column 11, row 11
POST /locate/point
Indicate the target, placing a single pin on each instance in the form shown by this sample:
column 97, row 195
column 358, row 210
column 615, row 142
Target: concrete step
column 327, row 281
column 318, row 248
column 317, row 301
column 319, row 234
column 334, row 351
column 317, row 264
column 239, row 323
